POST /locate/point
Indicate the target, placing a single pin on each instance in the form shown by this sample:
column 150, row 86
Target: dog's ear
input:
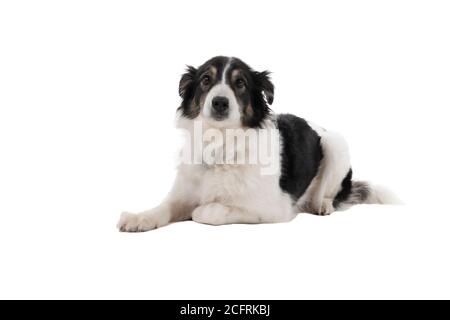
column 264, row 83
column 187, row 80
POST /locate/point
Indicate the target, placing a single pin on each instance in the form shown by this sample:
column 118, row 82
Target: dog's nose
column 220, row 104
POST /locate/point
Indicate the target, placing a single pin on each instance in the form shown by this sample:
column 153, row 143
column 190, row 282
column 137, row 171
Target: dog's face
column 226, row 92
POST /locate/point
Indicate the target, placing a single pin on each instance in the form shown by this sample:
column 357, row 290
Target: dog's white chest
column 229, row 184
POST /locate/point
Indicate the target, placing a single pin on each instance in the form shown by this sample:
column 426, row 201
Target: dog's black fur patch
column 346, row 190
column 259, row 94
column 301, row 154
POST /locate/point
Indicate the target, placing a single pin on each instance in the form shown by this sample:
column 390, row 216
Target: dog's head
column 226, row 92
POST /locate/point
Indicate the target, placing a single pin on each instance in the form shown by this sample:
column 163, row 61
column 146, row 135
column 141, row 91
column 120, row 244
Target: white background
column 88, row 92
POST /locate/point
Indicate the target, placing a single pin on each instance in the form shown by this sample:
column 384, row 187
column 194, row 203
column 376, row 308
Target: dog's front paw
column 132, row 222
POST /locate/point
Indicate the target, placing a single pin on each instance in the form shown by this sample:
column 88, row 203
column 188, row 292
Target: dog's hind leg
column 333, row 169
column 218, row 214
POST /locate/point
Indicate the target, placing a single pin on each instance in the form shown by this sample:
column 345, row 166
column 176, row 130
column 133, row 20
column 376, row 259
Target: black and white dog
column 312, row 166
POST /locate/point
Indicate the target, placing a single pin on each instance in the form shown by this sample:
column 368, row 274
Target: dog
column 311, row 169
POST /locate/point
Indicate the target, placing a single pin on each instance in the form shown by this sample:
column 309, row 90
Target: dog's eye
column 206, row 80
column 240, row 83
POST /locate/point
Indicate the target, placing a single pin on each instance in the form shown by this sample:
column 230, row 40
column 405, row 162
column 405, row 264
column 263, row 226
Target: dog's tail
column 364, row 192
